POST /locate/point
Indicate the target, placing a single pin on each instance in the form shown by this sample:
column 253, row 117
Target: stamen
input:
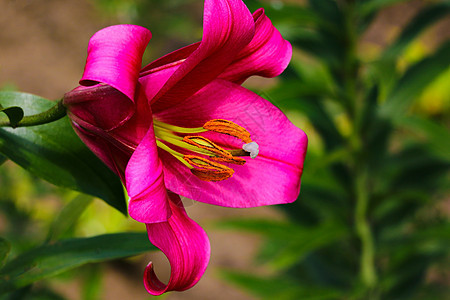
column 231, row 159
column 228, row 127
column 174, row 153
column 211, row 168
column 176, row 140
column 208, row 170
column 204, row 143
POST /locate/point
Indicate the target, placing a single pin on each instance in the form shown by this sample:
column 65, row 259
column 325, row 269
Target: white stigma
column 252, row 148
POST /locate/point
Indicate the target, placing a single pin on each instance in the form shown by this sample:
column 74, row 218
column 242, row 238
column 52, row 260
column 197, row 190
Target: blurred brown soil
column 391, row 21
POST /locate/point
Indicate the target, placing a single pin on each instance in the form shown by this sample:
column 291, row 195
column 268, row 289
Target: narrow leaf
column 5, row 247
column 68, row 216
column 328, row 9
column 3, row 159
column 286, row 13
column 289, row 243
column 415, row 80
column 92, row 282
column 436, row 135
column 55, row 153
column 279, row 287
column 368, row 115
column 49, row 260
column 420, row 22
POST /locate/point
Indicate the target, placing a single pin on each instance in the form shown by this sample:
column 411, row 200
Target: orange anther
column 204, row 143
column 228, row 127
column 208, row 170
column 231, row 160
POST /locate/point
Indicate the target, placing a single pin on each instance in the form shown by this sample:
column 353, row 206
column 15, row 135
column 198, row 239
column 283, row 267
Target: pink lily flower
column 183, row 125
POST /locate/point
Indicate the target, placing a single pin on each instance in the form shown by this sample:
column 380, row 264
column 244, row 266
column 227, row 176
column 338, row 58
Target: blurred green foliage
column 173, row 23
column 54, row 152
column 38, row 222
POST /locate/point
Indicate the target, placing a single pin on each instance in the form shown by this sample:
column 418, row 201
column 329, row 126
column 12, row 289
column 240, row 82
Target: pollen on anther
column 229, row 128
column 208, row 170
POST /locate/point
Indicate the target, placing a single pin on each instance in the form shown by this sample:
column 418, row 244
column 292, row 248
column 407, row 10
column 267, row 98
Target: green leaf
column 320, row 45
column 289, row 243
column 415, row 80
column 278, row 287
column 5, row 247
column 328, row 10
column 288, row 96
column 68, row 216
column 437, row 136
column 92, row 276
column 421, row 21
column 33, row 293
column 55, row 153
column 368, row 113
column 293, row 14
column 414, row 168
column 49, row 260
column 14, row 113
column 3, row 159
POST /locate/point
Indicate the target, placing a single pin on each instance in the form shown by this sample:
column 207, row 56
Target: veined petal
column 186, row 246
column 268, row 54
column 145, row 183
column 115, row 57
column 168, row 59
column 155, row 75
column 271, row 178
column 228, row 27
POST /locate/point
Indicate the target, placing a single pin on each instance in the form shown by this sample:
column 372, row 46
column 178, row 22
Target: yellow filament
column 174, row 153
column 203, row 143
column 174, row 128
column 178, row 141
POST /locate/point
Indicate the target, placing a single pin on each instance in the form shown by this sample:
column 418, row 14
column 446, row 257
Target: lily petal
column 267, row 55
column 271, row 178
column 168, row 59
column 144, row 180
column 185, row 244
column 99, row 106
column 228, row 27
column 115, row 57
column 115, row 159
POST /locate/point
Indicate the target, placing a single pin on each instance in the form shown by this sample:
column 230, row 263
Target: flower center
column 202, row 156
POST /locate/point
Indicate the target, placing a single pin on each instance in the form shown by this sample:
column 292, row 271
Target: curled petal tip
column 115, row 57
column 151, row 282
column 186, row 246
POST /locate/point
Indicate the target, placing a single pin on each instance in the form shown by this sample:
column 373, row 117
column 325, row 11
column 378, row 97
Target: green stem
column 350, row 65
column 367, row 259
column 354, row 109
column 53, row 114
